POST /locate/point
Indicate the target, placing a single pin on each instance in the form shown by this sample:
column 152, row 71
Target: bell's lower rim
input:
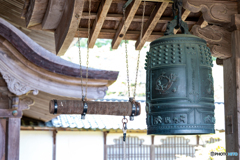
column 180, row 131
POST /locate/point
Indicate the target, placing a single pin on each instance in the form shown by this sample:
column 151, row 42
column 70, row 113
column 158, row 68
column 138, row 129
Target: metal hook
column 85, row 108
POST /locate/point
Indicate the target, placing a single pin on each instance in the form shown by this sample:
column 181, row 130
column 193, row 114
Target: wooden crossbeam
column 151, row 23
column 100, row 18
column 123, row 27
column 184, row 17
column 110, row 33
column 118, row 17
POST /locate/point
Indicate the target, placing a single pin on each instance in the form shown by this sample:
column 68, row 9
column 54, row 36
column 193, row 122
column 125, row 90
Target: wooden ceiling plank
column 151, row 24
column 68, row 25
column 123, row 27
column 184, row 17
column 100, row 18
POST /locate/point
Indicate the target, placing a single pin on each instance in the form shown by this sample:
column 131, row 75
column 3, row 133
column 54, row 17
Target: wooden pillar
column 152, row 149
column 54, row 144
column 232, row 96
column 10, row 122
column 105, row 145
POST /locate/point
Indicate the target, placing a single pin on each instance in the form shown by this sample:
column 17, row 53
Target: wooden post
column 54, row 144
column 232, row 96
column 105, row 145
column 152, row 149
column 13, row 136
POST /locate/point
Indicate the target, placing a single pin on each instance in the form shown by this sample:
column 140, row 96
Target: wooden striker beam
column 103, row 108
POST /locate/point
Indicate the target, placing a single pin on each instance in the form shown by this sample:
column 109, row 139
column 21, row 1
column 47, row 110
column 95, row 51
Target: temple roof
column 32, row 71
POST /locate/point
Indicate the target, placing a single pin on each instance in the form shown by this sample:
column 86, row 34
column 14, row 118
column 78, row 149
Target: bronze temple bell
column 179, row 89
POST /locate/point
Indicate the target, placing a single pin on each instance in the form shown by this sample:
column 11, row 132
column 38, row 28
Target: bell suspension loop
column 84, row 97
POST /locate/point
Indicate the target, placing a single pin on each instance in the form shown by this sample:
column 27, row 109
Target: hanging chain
column 126, row 50
column 138, row 61
column 80, row 56
column 89, row 23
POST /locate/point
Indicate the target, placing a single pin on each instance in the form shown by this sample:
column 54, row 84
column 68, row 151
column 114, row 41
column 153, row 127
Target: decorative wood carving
column 25, row 103
column 214, row 11
column 68, row 25
column 53, row 14
column 15, row 85
column 218, row 39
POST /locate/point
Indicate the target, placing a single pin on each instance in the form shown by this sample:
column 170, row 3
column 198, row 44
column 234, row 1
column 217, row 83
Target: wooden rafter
column 151, row 23
column 184, row 17
column 123, row 26
column 97, row 25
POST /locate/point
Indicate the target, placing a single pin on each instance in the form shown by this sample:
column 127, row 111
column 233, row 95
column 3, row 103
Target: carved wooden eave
column 218, row 39
column 214, row 11
column 26, row 66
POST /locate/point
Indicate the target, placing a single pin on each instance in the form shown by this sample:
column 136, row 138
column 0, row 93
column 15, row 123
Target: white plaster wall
column 36, row 145
column 74, row 145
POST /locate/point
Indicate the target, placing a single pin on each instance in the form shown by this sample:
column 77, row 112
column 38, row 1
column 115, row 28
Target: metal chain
column 80, row 56
column 80, row 59
column 126, row 51
column 138, row 61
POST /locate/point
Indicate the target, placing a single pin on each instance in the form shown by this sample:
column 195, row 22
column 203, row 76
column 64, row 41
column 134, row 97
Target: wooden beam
column 123, row 26
column 53, row 14
column 100, row 18
column 184, row 17
column 118, row 17
column 109, row 34
column 68, row 25
column 231, row 67
column 151, row 23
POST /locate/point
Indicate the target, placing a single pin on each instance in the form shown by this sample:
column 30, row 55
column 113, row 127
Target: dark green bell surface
column 179, row 86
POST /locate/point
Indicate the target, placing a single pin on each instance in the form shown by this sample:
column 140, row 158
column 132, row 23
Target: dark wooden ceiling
column 106, row 20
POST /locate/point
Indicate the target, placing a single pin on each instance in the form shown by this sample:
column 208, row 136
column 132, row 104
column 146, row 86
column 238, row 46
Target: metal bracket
column 177, row 22
column 133, row 109
column 85, row 108
column 55, row 106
